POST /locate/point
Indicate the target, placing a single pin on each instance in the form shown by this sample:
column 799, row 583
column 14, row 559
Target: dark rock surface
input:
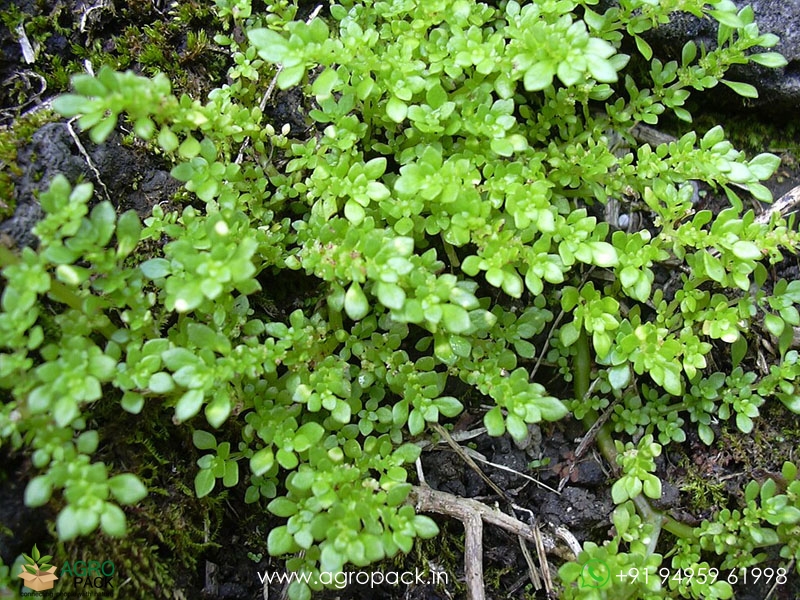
column 779, row 89
column 132, row 178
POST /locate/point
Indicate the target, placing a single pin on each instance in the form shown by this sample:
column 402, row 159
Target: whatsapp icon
column 595, row 574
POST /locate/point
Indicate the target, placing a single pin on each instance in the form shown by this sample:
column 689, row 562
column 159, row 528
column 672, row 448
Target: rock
column 779, row 89
column 133, row 178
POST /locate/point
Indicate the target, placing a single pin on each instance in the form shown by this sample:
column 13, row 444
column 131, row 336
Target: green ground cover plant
column 444, row 208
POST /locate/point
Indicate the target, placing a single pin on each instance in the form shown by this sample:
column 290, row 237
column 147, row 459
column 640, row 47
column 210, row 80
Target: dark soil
column 214, row 548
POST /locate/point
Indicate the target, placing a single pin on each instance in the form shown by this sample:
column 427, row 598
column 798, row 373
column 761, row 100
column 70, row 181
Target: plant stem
column 581, row 382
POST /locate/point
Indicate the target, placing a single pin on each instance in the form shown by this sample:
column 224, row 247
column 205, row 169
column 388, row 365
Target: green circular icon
column 595, row 574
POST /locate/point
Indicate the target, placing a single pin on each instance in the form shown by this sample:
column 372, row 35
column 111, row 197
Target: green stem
column 583, row 370
column 581, row 383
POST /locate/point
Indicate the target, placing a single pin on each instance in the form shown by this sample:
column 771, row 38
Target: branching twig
column 480, row 458
column 25, row 45
column 86, row 157
column 429, row 500
column 471, row 530
column 783, row 205
column 473, row 556
column 472, row 513
column 270, row 89
column 471, row 463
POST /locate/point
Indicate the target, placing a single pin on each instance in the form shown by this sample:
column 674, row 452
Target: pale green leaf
column 127, row 488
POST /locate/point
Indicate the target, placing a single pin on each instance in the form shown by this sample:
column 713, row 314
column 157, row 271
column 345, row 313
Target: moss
column 176, row 43
column 12, row 138
column 755, row 135
column 170, row 530
column 704, row 493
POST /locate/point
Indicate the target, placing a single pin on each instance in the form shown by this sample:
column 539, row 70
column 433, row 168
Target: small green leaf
column 744, row 423
column 644, row 48
column 167, row 139
column 551, row 409
column 774, row 324
column 129, row 228
column 396, row 109
column 454, row 318
column 539, row 76
column 188, row 405
column 132, row 403
column 88, row 442
column 312, row 431
column 127, row 488
column 713, row 267
column 204, row 482
column 603, row 254
column 601, row 69
column 262, row 461
column 38, row 491
column 408, row 452
column 356, row 304
column 324, row 83
column 287, row 459
column 449, row 406
column 425, row 527
column 773, row 60
column 113, row 521
column 70, row 105
column 231, row 476
column 672, row 381
column 271, row 45
column 282, row 507
column 390, row 295
column 161, row 383
column 155, row 268
column 707, row 434
column 568, row 334
column 652, row 487
column 728, row 16
column 218, row 410
column 103, row 129
column 416, row 422
column 619, row 377
column 618, row 491
column 280, row 541
column 68, row 523
column 494, row 422
column 746, row 250
column 203, row 440
column 354, row 212
column 144, row 128
column 743, row 89
column 516, row 427
column 764, row 165
column 189, row 148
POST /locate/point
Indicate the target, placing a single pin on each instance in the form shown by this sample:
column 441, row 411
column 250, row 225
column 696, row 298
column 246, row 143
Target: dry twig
column 473, row 558
column 268, row 94
column 86, row 157
column 470, row 512
column 783, row 206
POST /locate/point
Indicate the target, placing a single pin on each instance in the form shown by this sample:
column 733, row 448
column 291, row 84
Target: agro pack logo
column 37, row 573
column 89, row 574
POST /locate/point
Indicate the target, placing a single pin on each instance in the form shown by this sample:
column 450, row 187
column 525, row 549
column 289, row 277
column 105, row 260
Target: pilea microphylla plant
column 446, row 206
